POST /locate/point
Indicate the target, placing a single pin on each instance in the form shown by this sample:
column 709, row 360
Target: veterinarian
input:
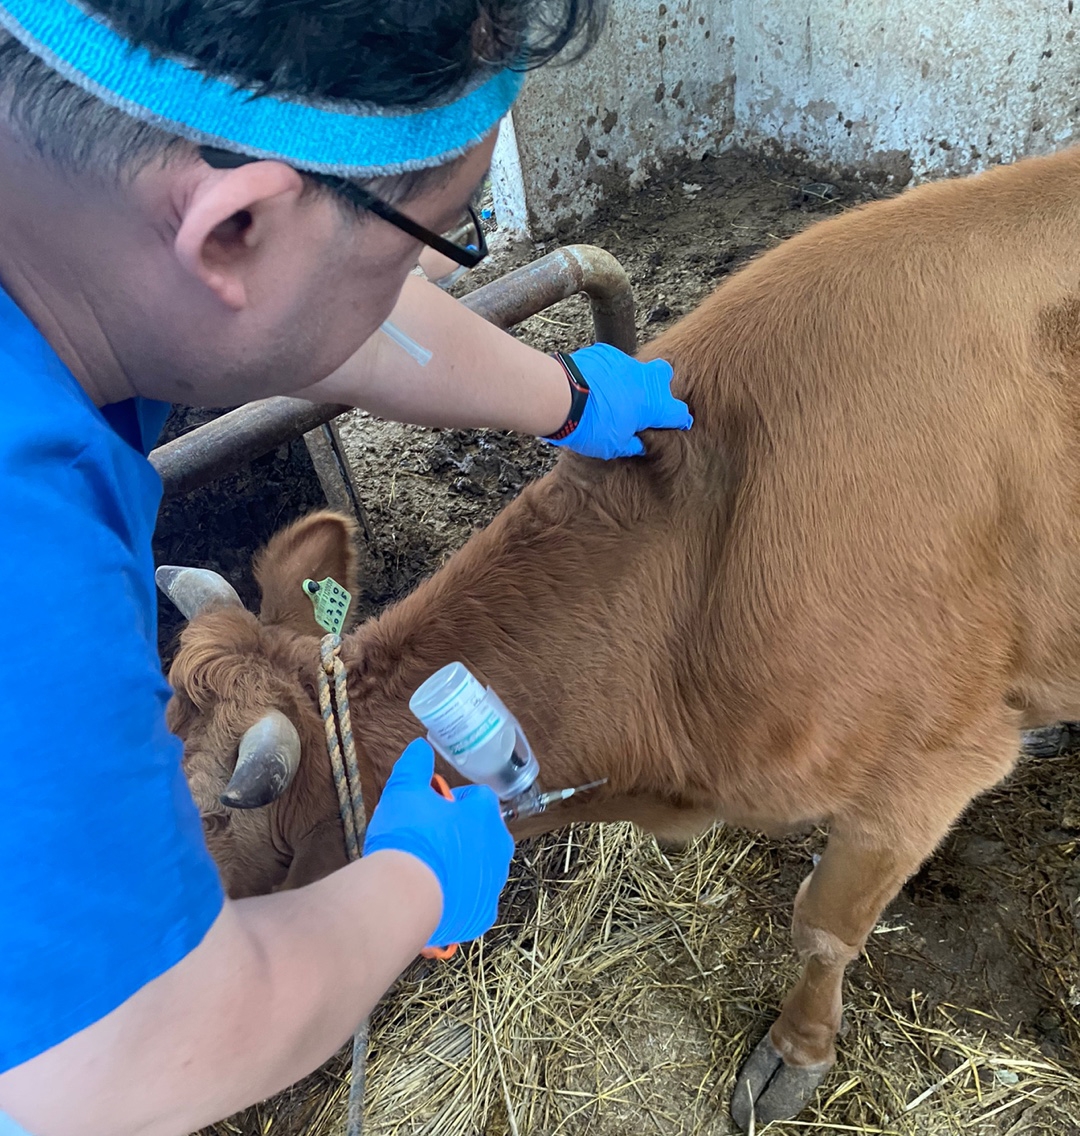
column 205, row 202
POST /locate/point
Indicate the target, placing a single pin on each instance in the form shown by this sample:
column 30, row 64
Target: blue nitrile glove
column 625, row 396
column 463, row 841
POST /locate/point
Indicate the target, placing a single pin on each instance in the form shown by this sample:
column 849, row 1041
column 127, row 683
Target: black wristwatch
column 579, row 395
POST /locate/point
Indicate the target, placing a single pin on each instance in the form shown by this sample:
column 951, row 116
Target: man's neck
column 68, row 331
column 47, row 236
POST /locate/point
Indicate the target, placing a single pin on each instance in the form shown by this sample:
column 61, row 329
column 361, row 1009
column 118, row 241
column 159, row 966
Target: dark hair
column 386, row 52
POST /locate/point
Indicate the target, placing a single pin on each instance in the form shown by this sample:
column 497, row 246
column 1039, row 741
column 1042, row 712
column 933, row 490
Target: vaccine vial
column 470, row 726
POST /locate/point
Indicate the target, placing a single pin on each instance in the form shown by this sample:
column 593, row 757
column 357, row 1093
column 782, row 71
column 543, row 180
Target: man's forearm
column 279, row 983
column 478, row 375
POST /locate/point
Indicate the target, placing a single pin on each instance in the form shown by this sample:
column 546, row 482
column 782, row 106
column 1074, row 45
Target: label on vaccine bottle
column 465, row 720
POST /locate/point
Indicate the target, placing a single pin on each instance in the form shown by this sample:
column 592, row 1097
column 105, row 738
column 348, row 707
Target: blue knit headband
column 349, row 139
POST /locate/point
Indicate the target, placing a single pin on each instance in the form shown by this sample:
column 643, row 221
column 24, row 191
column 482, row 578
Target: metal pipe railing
column 563, row 273
column 238, row 437
column 224, row 445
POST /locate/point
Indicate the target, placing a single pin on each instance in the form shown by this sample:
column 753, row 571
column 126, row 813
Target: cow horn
column 193, row 589
column 269, row 756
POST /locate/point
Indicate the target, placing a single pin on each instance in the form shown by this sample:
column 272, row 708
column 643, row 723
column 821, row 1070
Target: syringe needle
column 591, row 785
column 539, row 803
column 563, row 794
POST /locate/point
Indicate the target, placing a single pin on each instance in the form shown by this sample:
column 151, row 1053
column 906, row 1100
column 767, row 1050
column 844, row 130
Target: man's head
column 152, row 271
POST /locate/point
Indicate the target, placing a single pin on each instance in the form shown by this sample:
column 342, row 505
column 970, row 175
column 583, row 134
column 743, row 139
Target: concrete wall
column 908, row 87
column 660, row 84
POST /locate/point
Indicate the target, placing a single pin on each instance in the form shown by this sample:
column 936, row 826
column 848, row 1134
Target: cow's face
column 245, row 707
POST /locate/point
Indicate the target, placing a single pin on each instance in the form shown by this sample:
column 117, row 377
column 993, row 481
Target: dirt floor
column 963, row 1010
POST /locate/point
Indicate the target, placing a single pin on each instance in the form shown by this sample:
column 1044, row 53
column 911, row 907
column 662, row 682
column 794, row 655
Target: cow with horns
column 838, row 600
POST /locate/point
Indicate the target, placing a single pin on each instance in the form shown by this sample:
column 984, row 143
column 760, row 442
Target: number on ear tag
column 331, row 602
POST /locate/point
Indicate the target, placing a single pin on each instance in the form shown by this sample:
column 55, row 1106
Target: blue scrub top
column 105, row 880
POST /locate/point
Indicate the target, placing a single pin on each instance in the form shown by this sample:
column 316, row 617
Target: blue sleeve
column 106, row 881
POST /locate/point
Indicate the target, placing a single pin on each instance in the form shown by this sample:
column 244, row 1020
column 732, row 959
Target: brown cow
column 838, row 599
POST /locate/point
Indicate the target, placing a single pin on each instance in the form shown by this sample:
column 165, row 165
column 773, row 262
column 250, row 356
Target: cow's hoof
column 1050, row 741
column 768, row 1089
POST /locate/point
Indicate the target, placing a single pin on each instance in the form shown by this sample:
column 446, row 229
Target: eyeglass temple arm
column 467, row 258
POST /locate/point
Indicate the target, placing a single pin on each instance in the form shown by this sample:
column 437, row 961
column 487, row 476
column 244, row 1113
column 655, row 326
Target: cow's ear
column 316, row 546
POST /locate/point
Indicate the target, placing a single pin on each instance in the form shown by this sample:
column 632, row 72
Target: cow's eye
column 214, row 823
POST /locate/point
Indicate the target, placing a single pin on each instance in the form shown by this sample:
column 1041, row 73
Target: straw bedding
column 624, row 983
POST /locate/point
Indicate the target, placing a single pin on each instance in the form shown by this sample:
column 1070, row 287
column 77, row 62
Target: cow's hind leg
column 865, row 863
column 835, row 909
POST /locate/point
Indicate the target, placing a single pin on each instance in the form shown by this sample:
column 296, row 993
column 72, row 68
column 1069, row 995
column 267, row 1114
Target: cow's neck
column 534, row 606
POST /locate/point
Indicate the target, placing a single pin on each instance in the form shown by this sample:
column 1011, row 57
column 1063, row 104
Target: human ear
column 231, row 218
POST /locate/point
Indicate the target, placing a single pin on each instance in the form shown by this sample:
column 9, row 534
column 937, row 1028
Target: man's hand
column 625, row 397
column 464, row 842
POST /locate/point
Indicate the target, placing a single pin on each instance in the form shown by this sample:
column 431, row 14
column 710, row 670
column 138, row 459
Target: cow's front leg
column 835, row 909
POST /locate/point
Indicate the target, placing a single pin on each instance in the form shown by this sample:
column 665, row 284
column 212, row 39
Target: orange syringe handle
column 438, row 783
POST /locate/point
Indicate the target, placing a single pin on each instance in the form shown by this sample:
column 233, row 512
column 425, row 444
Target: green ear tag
column 331, row 602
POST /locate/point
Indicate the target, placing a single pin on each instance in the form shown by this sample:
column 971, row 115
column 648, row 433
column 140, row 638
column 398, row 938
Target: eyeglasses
column 468, row 255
